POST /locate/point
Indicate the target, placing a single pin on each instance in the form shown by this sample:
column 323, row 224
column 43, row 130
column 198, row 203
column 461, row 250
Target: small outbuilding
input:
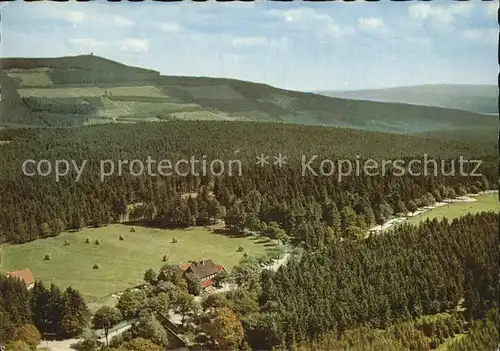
column 24, row 275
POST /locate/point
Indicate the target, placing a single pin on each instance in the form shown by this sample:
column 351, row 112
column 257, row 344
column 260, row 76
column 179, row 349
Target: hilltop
column 475, row 98
column 87, row 89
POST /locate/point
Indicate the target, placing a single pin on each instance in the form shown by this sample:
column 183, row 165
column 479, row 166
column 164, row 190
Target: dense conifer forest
column 37, row 206
column 382, row 281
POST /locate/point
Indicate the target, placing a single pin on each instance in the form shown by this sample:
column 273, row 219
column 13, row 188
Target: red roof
column 202, row 268
column 210, row 282
column 219, row 268
column 207, row 283
column 24, row 274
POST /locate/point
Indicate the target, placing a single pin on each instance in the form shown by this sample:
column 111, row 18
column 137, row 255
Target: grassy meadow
column 488, row 202
column 122, row 262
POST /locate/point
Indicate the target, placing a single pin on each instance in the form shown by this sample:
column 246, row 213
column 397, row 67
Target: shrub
column 412, row 206
column 98, row 242
column 121, row 237
column 174, row 240
column 87, row 241
column 132, row 230
column 240, row 249
column 96, row 266
column 66, row 243
column 17, row 345
column 46, row 257
column 27, row 333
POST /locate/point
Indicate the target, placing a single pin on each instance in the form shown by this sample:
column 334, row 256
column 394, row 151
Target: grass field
column 122, row 263
column 112, row 108
column 33, row 78
column 487, row 202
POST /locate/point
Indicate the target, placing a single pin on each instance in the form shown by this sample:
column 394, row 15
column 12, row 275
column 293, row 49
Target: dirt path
column 278, row 263
column 65, row 345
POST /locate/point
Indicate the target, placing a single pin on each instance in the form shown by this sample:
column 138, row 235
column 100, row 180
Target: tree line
column 62, row 106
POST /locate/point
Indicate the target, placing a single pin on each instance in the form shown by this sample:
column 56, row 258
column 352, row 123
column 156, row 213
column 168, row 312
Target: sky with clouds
column 299, row 45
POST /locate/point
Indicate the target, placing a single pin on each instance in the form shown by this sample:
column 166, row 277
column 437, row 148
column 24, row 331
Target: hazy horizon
column 410, row 86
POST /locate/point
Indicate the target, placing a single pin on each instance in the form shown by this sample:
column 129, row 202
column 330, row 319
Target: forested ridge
column 34, row 207
column 201, row 98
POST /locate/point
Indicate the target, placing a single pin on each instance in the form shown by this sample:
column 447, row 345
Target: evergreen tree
column 76, row 315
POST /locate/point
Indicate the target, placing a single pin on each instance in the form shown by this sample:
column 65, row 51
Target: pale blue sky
column 300, row 46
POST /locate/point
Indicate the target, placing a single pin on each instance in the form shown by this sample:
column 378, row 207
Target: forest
column 412, row 288
column 36, row 207
column 382, row 281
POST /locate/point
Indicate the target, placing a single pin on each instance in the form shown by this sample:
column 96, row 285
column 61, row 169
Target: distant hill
column 476, row 98
column 87, row 89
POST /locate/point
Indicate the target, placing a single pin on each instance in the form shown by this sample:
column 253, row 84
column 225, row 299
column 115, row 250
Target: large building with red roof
column 205, row 270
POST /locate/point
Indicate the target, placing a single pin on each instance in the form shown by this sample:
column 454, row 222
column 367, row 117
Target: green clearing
column 112, row 108
column 33, row 78
column 122, row 263
column 488, row 202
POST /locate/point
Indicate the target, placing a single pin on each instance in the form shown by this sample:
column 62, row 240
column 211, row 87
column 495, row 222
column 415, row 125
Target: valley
column 478, row 98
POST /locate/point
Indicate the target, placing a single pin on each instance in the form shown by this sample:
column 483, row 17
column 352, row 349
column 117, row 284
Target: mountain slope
column 82, row 90
column 476, row 98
